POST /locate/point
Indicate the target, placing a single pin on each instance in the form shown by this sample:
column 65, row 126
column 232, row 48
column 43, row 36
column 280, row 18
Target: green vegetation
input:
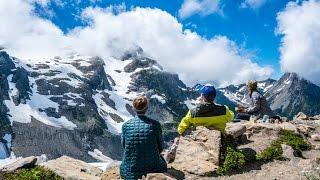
column 274, row 151
column 36, row 173
column 231, row 157
column 294, row 140
column 234, row 160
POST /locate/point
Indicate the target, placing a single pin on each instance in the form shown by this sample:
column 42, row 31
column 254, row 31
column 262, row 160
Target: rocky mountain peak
column 133, row 53
column 6, row 63
column 292, row 94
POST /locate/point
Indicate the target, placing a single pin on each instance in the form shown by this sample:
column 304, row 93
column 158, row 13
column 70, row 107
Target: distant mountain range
column 288, row 96
column 75, row 104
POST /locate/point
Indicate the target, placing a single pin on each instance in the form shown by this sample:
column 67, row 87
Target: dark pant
column 242, row 116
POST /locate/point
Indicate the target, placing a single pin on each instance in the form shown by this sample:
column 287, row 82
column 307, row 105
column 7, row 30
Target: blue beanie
column 208, row 91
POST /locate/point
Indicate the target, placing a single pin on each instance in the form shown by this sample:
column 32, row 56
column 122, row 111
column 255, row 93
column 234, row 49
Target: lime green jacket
column 208, row 115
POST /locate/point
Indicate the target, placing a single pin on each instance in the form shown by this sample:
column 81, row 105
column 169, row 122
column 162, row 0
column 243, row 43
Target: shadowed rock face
column 141, row 63
column 36, row 138
column 20, row 77
column 6, row 65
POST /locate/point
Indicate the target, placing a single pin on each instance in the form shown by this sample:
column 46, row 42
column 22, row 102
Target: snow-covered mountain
column 239, row 94
column 73, row 105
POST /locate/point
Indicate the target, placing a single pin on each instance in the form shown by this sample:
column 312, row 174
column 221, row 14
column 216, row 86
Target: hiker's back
column 264, row 108
column 206, row 114
column 142, row 148
column 210, row 115
column 208, row 110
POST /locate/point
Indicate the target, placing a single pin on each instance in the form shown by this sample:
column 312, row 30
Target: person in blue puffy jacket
column 142, row 142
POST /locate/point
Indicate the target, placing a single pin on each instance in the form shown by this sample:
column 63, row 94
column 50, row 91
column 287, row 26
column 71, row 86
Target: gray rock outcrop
column 27, row 162
column 70, row 168
column 36, row 138
column 198, row 152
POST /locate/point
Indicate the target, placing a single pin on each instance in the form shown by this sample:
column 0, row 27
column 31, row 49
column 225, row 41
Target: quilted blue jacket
column 142, row 141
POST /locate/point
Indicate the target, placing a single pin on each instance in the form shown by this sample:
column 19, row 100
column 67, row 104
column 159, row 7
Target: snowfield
column 23, row 112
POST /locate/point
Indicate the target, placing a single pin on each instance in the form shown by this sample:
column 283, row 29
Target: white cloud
column 202, row 7
column 46, row 3
column 299, row 26
column 194, row 58
column 25, row 34
column 253, row 4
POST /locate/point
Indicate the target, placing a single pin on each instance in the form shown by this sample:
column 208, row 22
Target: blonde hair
column 252, row 84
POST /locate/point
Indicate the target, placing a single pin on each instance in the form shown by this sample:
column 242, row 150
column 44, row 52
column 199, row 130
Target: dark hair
column 209, row 98
column 140, row 104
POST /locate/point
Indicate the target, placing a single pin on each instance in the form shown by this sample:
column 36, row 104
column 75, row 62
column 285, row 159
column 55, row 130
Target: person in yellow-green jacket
column 207, row 113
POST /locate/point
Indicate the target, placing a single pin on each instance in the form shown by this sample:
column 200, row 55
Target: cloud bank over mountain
column 299, row 26
column 109, row 32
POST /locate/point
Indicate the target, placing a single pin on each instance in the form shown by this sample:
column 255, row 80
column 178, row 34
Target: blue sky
column 252, row 29
column 225, row 41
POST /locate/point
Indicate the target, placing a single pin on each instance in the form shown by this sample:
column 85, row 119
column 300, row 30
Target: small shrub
column 36, row 173
column 294, row 140
column 234, row 160
column 274, row 151
column 227, row 141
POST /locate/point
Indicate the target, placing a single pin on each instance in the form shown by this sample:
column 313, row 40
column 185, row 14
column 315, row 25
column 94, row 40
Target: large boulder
column 288, row 126
column 235, row 129
column 287, row 151
column 198, row 152
column 111, row 173
column 158, row 176
column 260, row 136
column 301, row 116
column 70, row 168
column 27, row 162
column 315, row 137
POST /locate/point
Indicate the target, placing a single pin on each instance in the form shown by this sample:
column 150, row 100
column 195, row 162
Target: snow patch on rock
column 23, row 112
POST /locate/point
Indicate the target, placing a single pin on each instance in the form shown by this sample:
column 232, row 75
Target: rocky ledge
column 199, row 152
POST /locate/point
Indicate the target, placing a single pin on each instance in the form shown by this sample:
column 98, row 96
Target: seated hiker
column 258, row 104
column 207, row 113
column 143, row 142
